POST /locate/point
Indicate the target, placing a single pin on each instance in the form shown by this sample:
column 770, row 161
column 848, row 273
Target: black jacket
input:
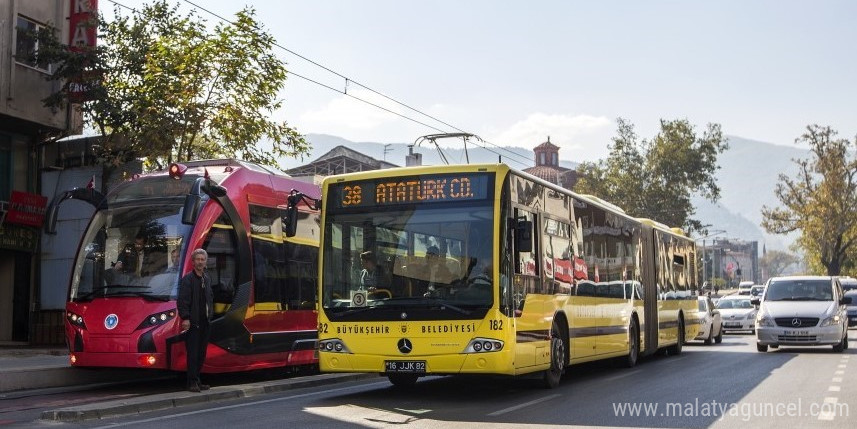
column 194, row 299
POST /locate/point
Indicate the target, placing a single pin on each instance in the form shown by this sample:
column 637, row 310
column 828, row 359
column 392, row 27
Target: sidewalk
column 26, row 368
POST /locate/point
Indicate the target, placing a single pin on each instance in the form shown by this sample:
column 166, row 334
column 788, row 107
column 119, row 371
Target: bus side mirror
column 191, row 209
column 524, row 236
column 290, row 221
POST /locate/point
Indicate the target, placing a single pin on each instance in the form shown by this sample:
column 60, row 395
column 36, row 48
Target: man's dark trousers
column 197, row 344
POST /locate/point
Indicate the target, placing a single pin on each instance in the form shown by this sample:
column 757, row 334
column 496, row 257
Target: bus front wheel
column 553, row 374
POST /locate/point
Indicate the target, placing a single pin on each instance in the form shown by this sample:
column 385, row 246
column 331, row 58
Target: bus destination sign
column 410, row 190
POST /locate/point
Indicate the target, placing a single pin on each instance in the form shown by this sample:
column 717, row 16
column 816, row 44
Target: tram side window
column 221, row 246
column 301, row 276
column 268, row 274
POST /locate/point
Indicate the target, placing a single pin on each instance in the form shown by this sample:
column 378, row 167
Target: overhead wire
column 511, row 154
column 349, row 80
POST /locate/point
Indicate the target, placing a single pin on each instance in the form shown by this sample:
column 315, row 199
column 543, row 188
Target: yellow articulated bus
column 481, row 269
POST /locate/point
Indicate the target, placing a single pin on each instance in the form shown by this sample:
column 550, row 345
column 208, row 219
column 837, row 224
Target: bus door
column 530, row 326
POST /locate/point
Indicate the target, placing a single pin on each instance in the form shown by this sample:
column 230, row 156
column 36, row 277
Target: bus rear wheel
column 633, row 345
column 403, row 380
column 553, row 374
column 676, row 349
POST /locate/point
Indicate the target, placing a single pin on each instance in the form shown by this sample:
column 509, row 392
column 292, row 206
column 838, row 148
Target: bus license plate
column 412, row 366
column 795, row 333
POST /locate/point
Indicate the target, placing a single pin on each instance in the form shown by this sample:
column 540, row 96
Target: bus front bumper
column 477, row 363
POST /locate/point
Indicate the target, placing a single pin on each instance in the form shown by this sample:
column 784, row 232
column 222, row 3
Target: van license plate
column 411, row 366
column 795, row 333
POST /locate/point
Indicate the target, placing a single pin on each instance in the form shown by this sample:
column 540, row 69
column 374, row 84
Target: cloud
column 580, row 137
column 344, row 115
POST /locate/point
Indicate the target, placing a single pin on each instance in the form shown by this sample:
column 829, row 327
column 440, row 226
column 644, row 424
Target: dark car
column 852, row 308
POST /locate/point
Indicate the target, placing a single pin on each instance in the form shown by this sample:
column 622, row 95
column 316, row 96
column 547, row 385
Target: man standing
column 195, row 305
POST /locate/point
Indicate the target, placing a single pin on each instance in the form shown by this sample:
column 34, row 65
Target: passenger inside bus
column 431, row 277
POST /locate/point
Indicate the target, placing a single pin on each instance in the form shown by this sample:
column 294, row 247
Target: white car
column 710, row 323
column 802, row 311
column 738, row 313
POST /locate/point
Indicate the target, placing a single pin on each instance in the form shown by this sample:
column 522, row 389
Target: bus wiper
column 356, row 310
column 445, row 303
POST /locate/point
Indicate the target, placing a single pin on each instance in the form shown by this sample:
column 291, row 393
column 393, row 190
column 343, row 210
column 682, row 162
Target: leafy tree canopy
column 168, row 87
column 656, row 178
column 820, row 202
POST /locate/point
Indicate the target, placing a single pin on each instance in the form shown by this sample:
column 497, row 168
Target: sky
column 516, row 72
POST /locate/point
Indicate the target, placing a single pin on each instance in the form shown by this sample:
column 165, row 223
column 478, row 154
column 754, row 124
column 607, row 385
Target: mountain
column 748, row 173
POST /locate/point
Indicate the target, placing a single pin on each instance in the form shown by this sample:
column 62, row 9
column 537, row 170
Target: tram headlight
column 484, row 345
column 334, row 345
column 75, row 319
column 157, row 319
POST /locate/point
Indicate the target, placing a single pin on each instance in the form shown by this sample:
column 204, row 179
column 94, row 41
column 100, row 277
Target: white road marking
column 833, row 388
column 827, row 410
column 623, row 375
column 525, row 404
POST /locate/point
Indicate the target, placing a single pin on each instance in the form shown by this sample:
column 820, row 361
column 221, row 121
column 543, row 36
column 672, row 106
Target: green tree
column 656, row 179
column 167, row 87
column 776, row 263
column 820, row 202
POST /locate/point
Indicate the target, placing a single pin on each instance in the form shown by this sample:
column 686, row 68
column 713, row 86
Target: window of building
column 5, row 167
column 541, row 158
column 27, row 44
column 554, row 159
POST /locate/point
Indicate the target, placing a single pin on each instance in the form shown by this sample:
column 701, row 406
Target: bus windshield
column 415, row 257
column 131, row 250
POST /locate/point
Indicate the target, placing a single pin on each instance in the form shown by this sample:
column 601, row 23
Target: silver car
column 802, row 311
column 738, row 313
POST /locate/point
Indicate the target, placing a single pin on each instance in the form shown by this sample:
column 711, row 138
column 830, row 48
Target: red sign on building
column 26, row 209
column 82, row 24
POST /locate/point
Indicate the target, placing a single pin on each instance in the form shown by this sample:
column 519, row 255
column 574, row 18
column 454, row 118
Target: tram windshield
column 132, row 250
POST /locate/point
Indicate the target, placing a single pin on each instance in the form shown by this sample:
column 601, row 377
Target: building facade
column 26, row 129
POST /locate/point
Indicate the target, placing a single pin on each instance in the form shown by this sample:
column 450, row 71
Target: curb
column 165, row 401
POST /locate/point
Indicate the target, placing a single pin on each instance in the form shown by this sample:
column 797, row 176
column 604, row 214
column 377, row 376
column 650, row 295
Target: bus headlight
column 483, row 345
column 334, row 345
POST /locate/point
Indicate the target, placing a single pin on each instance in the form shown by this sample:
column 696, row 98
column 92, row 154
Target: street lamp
column 713, row 233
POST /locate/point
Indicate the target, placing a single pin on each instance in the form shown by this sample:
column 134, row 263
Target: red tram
column 121, row 309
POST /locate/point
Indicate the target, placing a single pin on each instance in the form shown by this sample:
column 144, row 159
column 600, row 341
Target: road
column 719, row 386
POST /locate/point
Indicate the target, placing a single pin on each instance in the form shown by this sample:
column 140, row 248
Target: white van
column 802, row 311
